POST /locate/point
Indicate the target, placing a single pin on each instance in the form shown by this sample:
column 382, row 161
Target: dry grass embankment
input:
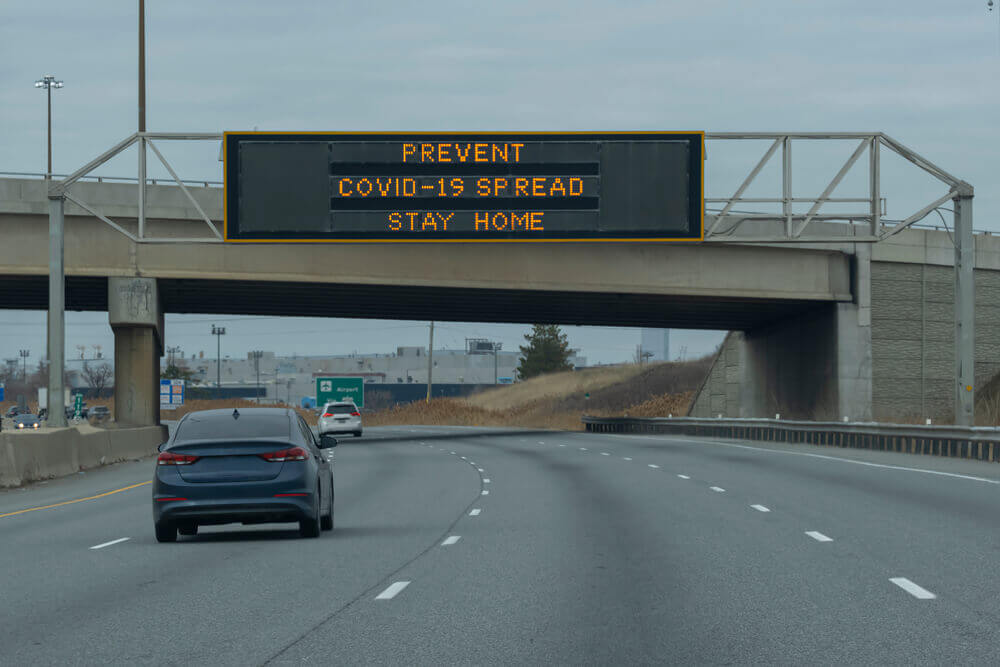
column 557, row 401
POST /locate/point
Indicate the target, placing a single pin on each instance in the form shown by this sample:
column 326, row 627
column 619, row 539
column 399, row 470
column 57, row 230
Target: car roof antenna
column 236, row 413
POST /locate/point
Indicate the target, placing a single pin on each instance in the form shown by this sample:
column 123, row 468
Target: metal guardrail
column 978, row 443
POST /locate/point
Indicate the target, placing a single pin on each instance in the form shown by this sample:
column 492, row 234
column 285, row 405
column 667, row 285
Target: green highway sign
column 340, row 389
column 77, row 406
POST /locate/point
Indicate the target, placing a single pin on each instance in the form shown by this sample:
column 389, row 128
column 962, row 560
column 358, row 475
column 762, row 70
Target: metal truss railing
column 723, row 223
column 61, row 189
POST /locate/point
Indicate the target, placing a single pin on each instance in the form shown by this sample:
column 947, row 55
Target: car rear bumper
column 333, row 426
column 291, row 496
column 261, row 510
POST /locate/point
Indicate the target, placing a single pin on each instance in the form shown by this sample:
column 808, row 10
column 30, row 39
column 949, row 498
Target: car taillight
column 171, row 459
column 290, row 454
column 327, row 414
column 355, row 414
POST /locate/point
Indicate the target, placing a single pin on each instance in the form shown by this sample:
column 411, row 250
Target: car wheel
column 187, row 529
column 165, row 532
column 310, row 527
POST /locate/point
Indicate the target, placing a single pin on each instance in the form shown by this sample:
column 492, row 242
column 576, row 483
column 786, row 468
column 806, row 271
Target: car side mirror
column 326, row 441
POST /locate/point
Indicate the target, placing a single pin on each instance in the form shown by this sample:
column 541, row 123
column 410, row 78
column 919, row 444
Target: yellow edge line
column 78, row 500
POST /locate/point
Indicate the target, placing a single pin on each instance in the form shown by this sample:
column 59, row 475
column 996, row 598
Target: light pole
column 496, row 346
column 256, row 355
column 171, row 351
column 24, row 364
column 218, row 332
column 48, row 82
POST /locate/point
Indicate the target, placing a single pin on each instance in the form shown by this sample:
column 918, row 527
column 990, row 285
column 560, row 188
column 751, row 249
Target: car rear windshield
column 337, row 408
column 224, row 426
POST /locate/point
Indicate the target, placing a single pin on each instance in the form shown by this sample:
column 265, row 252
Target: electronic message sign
column 448, row 186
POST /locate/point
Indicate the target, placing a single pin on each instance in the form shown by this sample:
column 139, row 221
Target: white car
column 340, row 417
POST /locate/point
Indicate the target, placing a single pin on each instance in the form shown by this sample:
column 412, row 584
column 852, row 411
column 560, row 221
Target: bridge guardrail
column 976, row 442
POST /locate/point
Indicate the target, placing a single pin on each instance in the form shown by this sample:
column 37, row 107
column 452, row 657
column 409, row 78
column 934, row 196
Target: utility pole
column 430, row 362
column 496, row 347
column 171, row 351
column 256, row 355
column 218, row 332
column 142, row 118
column 24, row 364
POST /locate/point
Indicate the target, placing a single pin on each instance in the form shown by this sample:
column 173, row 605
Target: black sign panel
column 488, row 186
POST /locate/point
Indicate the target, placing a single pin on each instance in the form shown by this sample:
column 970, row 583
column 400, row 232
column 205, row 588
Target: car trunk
column 229, row 461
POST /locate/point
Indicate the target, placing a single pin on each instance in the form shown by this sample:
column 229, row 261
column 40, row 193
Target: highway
column 479, row 546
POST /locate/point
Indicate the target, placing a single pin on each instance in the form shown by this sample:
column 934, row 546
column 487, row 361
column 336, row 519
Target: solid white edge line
column 717, row 489
column 475, row 512
column 108, row 544
column 913, row 589
column 392, row 591
column 451, row 540
column 818, row 536
column 811, row 455
column 760, row 508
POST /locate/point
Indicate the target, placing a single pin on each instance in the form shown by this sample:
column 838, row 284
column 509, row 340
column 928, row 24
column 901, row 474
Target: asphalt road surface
column 472, row 546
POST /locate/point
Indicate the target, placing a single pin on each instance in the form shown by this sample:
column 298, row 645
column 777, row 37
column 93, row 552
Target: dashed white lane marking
column 486, row 481
column 809, row 454
column 652, row 465
column 462, row 457
column 485, row 492
column 392, row 591
column 453, row 452
column 717, row 489
column 583, row 449
column 562, row 445
column 475, row 512
column 627, row 458
column 818, row 536
column 108, row 544
column 760, row 508
column 605, row 454
column 480, row 470
column 683, row 476
column 916, row 591
column 451, row 540
column 540, row 442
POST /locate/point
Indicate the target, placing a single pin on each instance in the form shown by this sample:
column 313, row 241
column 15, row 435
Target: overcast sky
column 923, row 71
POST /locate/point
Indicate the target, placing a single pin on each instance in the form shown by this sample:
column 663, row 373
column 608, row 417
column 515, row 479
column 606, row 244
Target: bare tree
column 97, row 376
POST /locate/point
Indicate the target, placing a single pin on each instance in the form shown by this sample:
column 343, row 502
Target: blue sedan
column 256, row 465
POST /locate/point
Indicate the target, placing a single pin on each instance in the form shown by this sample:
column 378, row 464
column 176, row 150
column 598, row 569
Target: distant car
column 250, row 466
column 26, row 420
column 99, row 413
column 13, row 411
column 340, row 417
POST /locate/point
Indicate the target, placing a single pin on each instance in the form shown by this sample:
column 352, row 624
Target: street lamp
column 48, row 82
column 218, row 332
column 24, row 363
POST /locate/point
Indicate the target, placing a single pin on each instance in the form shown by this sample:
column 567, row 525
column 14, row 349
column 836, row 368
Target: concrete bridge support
column 137, row 321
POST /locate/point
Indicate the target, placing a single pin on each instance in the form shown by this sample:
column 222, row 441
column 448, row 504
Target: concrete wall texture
column 29, row 457
column 912, row 353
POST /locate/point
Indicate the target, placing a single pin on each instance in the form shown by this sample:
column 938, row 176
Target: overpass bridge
column 842, row 327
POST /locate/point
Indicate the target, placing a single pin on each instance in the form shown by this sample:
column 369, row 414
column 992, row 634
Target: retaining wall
column 29, row 457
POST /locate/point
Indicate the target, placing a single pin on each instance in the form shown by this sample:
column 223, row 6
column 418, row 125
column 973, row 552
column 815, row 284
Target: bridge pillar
column 137, row 322
column 816, row 365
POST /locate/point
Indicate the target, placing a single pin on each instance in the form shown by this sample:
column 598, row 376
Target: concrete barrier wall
column 29, row 457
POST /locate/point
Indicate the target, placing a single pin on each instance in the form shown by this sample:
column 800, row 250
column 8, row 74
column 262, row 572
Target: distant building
column 291, row 378
column 656, row 344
